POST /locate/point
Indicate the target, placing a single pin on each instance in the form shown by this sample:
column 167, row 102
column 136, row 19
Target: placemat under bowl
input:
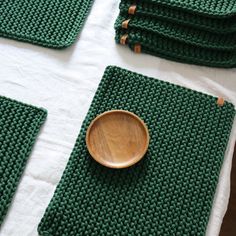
column 175, row 50
column 51, row 23
column 168, row 193
column 19, row 127
column 176, row 15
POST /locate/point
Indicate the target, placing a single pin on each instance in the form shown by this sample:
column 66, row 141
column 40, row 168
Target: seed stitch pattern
column 50, row 23
column 176, row 15
column 178, row 33
column 185, row 34
column 175, row 50
column 212, row 8
column 169, row 192
column 19, row 127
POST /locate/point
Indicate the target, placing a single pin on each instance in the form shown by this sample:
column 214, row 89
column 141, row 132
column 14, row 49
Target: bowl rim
column 127, row 164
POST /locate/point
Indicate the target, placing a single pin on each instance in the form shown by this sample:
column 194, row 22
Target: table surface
column 64, row 82
column 228, row 227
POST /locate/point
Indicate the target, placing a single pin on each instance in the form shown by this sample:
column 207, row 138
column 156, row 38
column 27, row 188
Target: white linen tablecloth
column 64, row 82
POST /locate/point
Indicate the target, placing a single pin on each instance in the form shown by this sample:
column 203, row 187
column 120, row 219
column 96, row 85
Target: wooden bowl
column 117, row 139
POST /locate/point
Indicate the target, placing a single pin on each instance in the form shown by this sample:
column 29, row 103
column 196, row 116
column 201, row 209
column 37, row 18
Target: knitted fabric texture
column 19, row 126
column 181, row 33
column 168, row 193
column 177, row 51
column 50, row 23
column 175, row 15
column 178, row 32
column 212, row 8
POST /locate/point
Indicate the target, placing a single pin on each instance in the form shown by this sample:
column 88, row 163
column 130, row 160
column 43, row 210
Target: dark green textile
column 19, row 126
column 168, row 193
column 177, row 51
column 212, row 8
column 175, row 15
column 51, row 23
column 181, row 33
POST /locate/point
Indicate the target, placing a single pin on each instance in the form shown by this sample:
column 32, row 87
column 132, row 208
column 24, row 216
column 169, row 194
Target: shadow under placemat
column 228, row 227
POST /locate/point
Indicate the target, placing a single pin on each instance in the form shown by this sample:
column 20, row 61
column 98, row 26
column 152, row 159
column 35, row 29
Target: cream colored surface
column 64, row 82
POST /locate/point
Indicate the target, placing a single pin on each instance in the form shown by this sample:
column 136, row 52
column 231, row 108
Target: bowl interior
column 117, row 139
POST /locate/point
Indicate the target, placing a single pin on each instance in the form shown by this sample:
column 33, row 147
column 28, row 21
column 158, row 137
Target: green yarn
column 212, row 8
column 181, row 33
column 175, row 15
column 177, row 51
column 19, row 126
column 168, row 193
column 172, row 32
column 51, row 23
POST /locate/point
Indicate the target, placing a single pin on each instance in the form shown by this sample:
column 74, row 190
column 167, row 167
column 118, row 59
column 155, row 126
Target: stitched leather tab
column 123, row 39
column 220, row 101
column 125, row 24
column 132, row 9
column 137, row 48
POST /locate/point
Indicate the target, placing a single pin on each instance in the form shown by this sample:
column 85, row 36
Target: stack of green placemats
column 199, row 32
column 51, row 23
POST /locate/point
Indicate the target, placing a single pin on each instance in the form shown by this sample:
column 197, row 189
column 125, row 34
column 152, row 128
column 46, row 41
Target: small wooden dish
column 117, row 139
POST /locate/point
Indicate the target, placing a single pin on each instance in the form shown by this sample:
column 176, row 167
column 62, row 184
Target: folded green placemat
column 186, row 34
column 51, row 23
column 175, row 50
column 212, row 8
column 176, row 15
column 19, row 126
column 168, row 193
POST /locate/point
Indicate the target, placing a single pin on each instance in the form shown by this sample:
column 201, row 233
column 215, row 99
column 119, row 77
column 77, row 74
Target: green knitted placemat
column 175, row 50
column 212, row 8
column 51, row 23
column 215, row 25
column 19, row 126
column 168, row 193
column 181, row 33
